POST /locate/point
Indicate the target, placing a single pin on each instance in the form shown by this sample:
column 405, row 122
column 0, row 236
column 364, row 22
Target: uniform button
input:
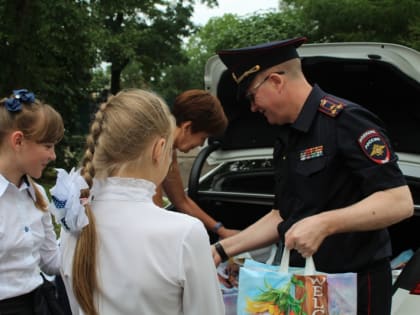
column 284, row 157
column 26, row 229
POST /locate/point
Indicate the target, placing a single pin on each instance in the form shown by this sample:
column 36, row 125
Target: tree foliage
column 45, row 49
column 43, row 45
column 52, row 47
column 230, row 31
column 146, row 34
column 395, row 21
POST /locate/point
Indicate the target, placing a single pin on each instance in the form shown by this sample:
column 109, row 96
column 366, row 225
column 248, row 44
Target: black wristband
column 217, row 226
column 221, row 251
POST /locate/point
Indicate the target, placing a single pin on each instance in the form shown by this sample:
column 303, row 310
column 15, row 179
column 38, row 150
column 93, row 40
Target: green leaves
column 282, row 297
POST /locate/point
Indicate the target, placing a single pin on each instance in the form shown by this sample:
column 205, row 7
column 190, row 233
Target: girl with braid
column 122, row 254
column 29, row 130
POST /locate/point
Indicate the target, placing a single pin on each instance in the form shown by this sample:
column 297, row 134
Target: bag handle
column 273, row 252
column 269, row 261
column 284, row 264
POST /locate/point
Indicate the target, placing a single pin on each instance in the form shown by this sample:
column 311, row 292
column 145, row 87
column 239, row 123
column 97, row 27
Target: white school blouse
column 150, row 260
column 27, row 240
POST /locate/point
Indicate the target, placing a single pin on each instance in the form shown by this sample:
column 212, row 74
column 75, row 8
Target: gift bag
column 229, row 271
column 266, row 289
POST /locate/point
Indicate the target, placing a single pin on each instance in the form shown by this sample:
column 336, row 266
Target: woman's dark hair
column 203, row 109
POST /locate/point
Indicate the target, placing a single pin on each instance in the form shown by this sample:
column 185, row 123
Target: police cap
column 245, row 63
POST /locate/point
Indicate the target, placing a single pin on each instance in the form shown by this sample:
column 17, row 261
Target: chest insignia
column 374, row 146
column 330, row 106
column 311, row 153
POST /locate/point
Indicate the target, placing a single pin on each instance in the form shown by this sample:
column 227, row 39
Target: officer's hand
column 306, row 235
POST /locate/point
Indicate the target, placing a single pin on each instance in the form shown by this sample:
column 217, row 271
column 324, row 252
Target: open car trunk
column 382, row 77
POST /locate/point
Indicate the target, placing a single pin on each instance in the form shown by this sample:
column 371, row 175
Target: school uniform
column 150, row 260
column 27, row 245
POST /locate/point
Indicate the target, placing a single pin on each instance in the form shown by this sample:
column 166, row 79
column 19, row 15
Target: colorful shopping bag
column 267, row 289
column 284, row 290
column 342, row 293
column 313, row 292
column 229, row 270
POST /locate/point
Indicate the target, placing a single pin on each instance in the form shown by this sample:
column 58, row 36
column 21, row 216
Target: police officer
column 338, row 185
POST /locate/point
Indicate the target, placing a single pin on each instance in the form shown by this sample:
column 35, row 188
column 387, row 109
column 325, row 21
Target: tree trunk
column 115, row 79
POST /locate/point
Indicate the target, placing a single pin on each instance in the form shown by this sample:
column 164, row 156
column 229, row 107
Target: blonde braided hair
column 121, row 131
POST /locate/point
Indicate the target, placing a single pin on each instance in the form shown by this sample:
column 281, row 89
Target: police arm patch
column 374, row 146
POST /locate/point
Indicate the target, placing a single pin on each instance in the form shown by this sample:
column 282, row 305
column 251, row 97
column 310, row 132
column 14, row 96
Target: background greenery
column 73, row 53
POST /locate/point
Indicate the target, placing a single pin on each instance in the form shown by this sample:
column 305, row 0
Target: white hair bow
column 68, row 207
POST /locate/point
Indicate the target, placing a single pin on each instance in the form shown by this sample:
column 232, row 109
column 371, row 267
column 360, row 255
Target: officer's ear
column 277, row 79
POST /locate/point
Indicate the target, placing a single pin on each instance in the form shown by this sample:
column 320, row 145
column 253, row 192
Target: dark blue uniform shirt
column 335, row 154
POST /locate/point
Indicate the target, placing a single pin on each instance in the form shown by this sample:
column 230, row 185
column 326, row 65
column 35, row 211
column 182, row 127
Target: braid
column 85, row 281
column 40, row 202
column 88, row 170
column 119, row 136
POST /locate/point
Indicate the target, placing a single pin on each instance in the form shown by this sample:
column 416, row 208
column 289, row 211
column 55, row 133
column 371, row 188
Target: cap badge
column 254, row 69
column 311, row 153
column 330, row 106
column 374, row 146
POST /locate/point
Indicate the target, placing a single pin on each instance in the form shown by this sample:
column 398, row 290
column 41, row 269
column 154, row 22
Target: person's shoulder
column 183, row 226
column 180, row 217
column 335, row 107
column 332, row 106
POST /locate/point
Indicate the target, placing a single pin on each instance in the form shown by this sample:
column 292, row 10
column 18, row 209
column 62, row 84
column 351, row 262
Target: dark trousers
column 19, row 305
column 374, row 289
column 41, row 301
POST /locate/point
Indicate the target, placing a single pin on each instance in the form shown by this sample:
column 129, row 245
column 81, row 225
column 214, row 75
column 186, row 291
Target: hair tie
column 13, row 104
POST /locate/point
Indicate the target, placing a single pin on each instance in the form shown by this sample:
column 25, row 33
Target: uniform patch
column 330, row 106
column 374, row 146
column 311, row 153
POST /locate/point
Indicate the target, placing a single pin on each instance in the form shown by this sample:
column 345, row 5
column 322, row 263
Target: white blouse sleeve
column 202, row 292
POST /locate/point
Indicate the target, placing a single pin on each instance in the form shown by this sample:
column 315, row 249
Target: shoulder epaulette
column 330, row 106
